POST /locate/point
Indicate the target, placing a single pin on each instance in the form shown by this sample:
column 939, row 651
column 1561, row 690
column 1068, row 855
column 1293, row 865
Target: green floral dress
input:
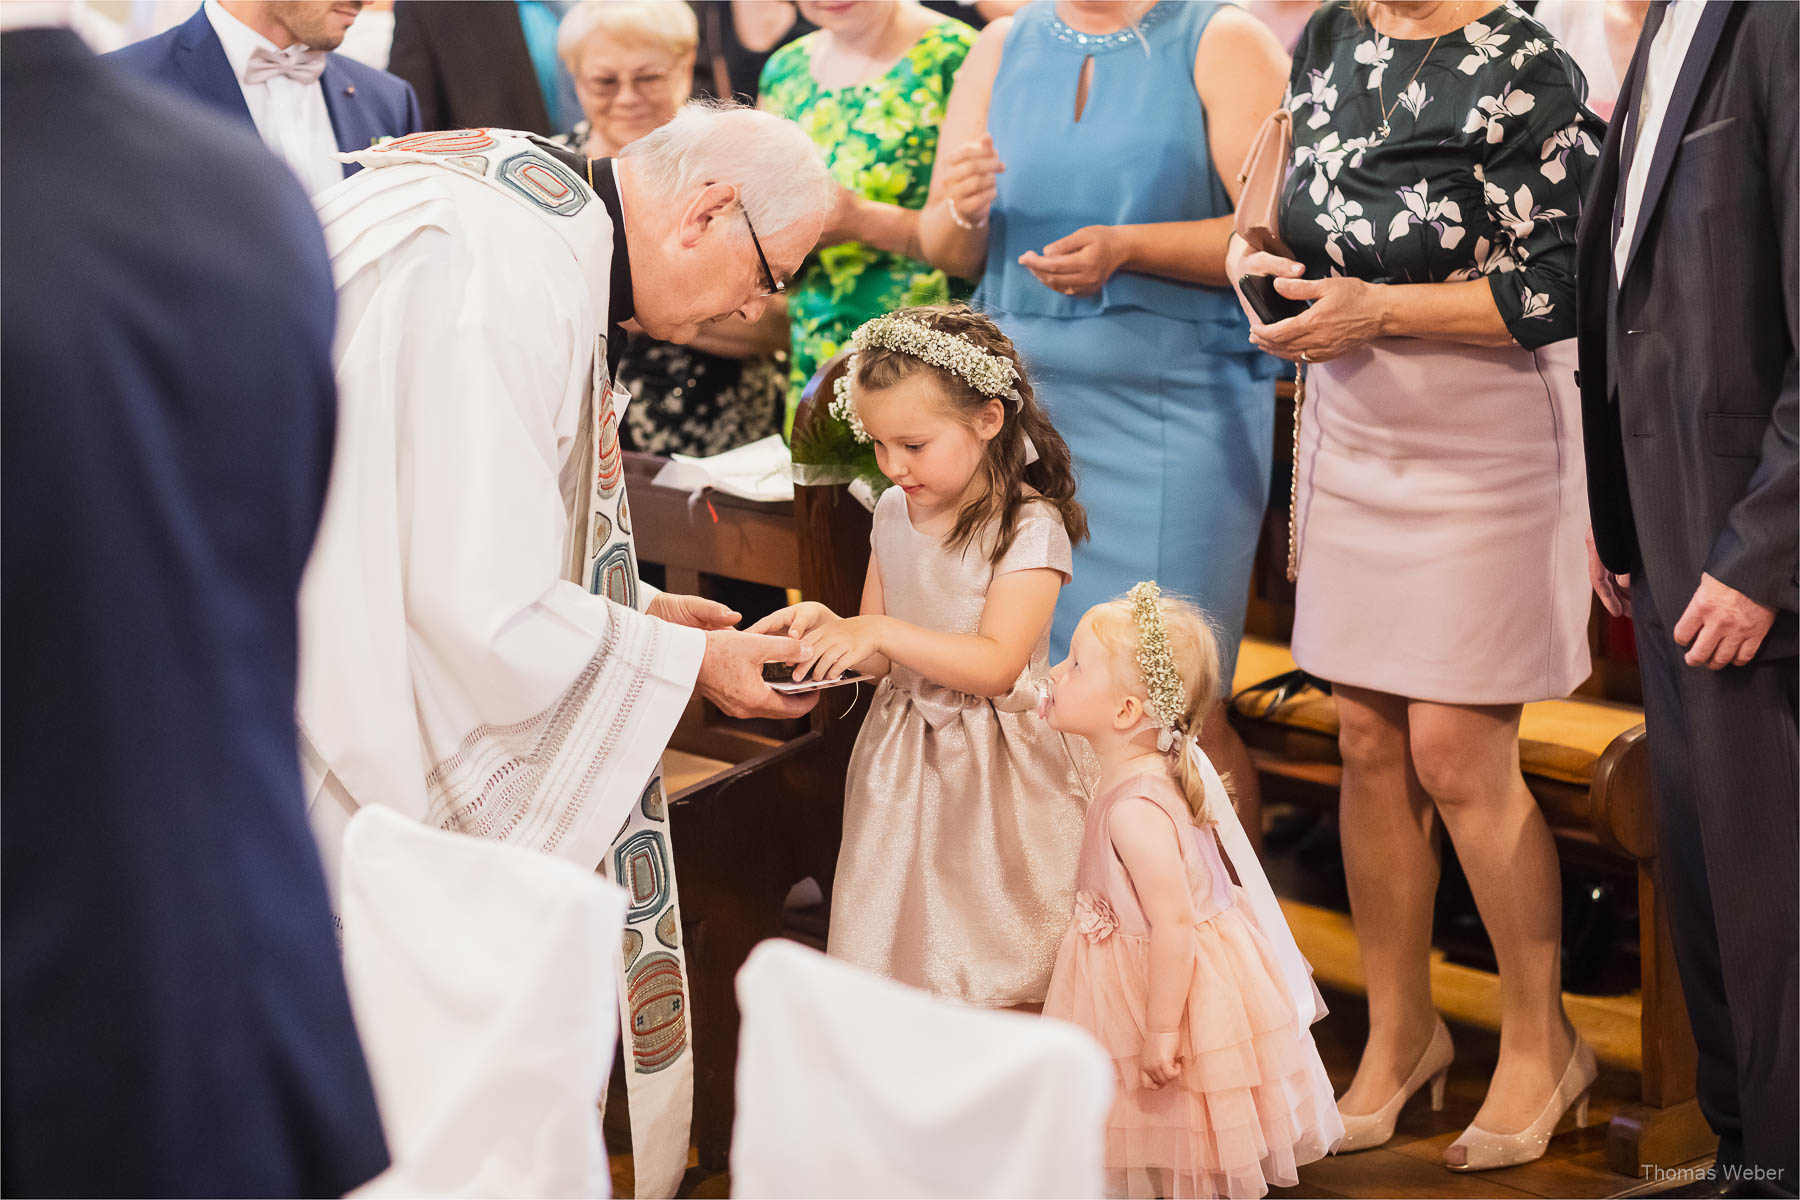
column 879, row 139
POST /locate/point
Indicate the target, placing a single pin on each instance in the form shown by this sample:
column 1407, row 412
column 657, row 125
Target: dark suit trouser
column 1722, row 752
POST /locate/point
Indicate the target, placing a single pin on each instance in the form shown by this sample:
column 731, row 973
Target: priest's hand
column 731, row 674
column 696, row 612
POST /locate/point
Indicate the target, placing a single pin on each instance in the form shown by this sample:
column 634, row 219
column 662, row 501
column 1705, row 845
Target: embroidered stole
column 653, row 991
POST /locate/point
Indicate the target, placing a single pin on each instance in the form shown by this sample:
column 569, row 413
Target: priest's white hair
column 777, row 169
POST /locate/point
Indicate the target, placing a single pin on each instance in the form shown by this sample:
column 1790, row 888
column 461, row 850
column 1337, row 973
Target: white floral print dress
column 1487, row 151
column 1440, row 498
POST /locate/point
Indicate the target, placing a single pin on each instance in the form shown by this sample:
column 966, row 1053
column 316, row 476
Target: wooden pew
column 772, row 816
column 1586, row 762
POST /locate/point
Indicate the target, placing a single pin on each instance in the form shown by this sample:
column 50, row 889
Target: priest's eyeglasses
column 771, row 285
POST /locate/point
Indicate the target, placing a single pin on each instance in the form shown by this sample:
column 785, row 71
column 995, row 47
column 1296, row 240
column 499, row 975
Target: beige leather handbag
column 1260, row 183
column 1258, row 222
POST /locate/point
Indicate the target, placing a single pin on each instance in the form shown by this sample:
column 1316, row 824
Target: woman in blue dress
column 1087, row 179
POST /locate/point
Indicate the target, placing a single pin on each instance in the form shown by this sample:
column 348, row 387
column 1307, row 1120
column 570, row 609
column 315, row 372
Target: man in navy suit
column 268, row 62
column 173, row 1006
column 1688, row 312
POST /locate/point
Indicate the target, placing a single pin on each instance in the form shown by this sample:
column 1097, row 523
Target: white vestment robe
column 456, row 663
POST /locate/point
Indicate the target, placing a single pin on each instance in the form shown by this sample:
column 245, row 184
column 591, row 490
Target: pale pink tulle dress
column 1252, row 1102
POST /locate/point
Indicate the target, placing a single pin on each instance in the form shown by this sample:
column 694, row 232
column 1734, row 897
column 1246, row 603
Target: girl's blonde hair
column 1003, row 465
column 1194, row 647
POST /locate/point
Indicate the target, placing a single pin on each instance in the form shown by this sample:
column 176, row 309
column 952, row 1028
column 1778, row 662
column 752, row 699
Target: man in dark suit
column 268, row 63
column 1689, row 320
column 173, row 1008
column 484, row 63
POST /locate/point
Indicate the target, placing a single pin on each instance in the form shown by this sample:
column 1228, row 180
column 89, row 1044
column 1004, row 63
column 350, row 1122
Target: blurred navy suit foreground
column 174, row 1013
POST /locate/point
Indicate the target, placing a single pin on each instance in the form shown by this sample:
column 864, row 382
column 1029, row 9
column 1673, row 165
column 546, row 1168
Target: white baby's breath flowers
column 1168, row 698
column 843, row 406
column 988, row 373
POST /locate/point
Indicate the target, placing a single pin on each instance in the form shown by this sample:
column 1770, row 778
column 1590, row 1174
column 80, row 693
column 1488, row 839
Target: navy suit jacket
column 173, row 1006
column 364, row 103
column 1690, row 380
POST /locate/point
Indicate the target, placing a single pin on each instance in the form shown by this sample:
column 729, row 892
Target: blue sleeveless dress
column 1154, row 384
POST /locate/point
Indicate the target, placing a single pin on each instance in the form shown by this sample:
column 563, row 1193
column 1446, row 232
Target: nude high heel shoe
column 1486, row 1151
column 1365, row 1131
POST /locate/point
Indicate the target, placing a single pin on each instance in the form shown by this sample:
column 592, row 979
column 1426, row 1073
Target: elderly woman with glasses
column 633, row 66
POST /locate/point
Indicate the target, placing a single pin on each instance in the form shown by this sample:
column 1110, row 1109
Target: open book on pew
column 759, row 471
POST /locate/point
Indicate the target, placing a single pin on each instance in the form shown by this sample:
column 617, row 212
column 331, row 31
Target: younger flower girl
column 1192, row 983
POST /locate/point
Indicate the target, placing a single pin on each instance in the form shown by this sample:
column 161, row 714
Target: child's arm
column 874, row 605
column 797, row 620
column 984, row 663
column 1145, row 838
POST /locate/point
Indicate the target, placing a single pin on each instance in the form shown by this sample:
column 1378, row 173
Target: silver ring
column 1305, row 357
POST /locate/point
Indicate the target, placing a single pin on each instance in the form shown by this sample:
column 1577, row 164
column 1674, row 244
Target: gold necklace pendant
column 1387, row 110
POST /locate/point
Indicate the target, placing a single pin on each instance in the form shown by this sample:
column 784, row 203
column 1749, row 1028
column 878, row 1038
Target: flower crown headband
column 988, row 373
column 1162, row 682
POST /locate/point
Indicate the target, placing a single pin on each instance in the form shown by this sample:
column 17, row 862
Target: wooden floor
column 1412, row 1163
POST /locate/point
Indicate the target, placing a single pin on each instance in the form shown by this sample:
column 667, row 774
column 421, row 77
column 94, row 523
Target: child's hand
column 839, row 645
column 795, row 620
column 1160, row 1060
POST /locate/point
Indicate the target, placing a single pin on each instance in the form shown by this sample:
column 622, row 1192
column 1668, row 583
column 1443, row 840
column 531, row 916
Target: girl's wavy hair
column 1003, row 465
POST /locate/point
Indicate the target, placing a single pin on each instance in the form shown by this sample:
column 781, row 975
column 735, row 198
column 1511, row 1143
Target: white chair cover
column 481, row 976
column 852, row 1085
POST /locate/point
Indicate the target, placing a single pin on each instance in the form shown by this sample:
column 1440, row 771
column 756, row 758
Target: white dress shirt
column 1661, row 69
column 290, row 116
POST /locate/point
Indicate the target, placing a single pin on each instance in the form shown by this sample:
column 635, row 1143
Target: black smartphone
column 780, row 676
column 1270, row 305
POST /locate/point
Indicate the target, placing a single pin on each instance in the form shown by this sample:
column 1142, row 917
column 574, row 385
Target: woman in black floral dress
column 1441, row 152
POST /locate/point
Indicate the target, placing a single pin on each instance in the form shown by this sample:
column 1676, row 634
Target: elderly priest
column 477, row 648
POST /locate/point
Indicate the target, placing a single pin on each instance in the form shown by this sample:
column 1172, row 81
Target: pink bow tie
column 296, row 63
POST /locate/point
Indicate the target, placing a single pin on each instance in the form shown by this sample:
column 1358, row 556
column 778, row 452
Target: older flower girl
column 962, row 811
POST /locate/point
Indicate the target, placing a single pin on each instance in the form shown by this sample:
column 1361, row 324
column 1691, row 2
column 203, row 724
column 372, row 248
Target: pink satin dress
column 962, row 813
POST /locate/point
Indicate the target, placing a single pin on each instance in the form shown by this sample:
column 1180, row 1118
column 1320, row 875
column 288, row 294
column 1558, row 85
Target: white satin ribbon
column 1296, row 972
column 1258, row 896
